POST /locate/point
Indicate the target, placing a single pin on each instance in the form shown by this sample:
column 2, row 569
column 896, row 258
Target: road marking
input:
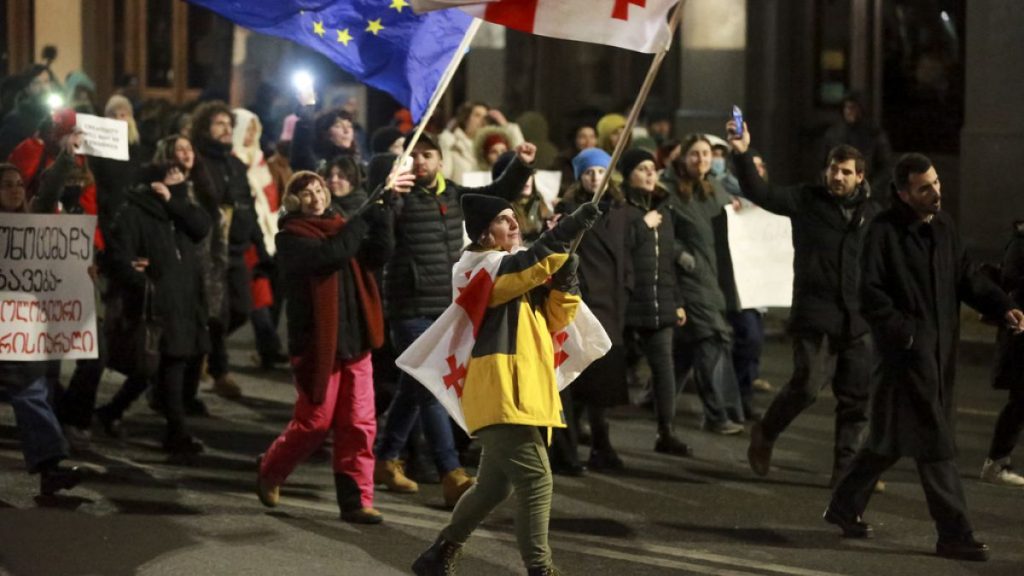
column 582, row 544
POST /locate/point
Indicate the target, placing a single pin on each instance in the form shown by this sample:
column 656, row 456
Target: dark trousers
column 656, row 346
column 1008, row 426
column 563, row 451
column 78, row 401
column 942, row 489
column 747, row 343
column 716, row 381
column 819, row 360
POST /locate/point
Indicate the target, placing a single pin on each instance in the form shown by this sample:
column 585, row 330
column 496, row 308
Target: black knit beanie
column 479, row 211
column 631, row 159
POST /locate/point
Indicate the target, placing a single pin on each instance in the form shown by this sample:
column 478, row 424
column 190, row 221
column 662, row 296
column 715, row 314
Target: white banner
column 47, row 302
column 103, row 137
column 761, row 244
column 547, row 183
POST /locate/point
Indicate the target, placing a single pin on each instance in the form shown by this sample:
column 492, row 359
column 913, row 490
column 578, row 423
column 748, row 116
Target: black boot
column 53, row 478
column 441, row 559
column 667, row 443
column 350, row 502
column 602, row 455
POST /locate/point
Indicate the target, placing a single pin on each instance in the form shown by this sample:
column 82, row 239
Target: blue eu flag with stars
column 380, row 42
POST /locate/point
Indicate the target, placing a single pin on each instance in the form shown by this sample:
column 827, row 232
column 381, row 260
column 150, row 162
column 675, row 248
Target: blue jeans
column 411, row 401
column 41, row 437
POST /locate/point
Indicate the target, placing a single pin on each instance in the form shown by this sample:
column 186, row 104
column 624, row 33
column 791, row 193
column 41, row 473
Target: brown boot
column 226, row 387
column 362, row 515
column 454, row 484
column 269, row 493
column 390, row 474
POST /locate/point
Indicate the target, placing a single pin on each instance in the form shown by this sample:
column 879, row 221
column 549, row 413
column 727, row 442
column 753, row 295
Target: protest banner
column 103, row 137
column 761, row 245
column 47, row 302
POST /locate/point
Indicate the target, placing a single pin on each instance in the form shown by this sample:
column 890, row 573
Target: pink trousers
column 348, row 411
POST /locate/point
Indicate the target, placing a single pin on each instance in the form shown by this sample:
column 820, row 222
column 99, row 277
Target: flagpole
column 634, row 113
column 435, row 99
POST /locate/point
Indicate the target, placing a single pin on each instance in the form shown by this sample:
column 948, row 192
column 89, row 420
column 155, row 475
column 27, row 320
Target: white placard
column 547, row 183
column 47, row 302
column 761, row 245
column 103, row 137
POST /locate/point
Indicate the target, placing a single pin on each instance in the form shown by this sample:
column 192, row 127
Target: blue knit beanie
column 588, row 159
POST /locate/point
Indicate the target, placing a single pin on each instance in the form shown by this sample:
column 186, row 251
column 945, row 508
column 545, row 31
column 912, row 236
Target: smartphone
column 737, row 117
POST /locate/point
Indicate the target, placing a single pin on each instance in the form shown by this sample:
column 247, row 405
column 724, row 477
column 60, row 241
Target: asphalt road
column 139, row 514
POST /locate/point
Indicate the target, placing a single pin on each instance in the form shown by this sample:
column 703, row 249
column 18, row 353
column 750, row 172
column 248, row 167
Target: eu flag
column 380, row 42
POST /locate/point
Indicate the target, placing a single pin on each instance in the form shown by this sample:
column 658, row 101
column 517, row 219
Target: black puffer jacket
column 167, row 234
column 428, row 242
column 655, row 293
column 827, row 245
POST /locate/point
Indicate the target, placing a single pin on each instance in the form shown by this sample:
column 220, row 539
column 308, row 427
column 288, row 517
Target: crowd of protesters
column 221, row 217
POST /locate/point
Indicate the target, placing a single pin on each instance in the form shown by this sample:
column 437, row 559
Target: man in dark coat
column 915, row 274
column 1008, row 373
column 831, row 341
column 212, row 130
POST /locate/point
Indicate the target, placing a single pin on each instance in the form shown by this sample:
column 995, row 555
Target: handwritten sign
column 103, row 137
column 761, row 245
column 47, row 303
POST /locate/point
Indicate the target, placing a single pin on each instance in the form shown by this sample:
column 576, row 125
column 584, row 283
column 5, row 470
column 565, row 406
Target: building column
column 713, row 64
column 992, row 139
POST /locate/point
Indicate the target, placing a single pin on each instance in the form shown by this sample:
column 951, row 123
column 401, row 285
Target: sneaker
column 727, row 428
column 226, row 387
column 441, row 559
column 454, row 484
column 268, row 492
column 762, row 385
column 999, row 472
column 759, row 453
column 390, row 474
column 362, row 515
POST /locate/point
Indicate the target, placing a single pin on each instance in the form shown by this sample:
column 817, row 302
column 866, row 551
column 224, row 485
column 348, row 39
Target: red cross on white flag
column 640, row 25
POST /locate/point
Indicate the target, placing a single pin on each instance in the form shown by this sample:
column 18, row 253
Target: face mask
column 717, row 166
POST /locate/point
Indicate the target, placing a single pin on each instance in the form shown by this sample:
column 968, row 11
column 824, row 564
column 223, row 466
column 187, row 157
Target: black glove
column 565, row 278
column 582, row 219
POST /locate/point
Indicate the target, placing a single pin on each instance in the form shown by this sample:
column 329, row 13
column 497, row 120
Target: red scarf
column 317, row 361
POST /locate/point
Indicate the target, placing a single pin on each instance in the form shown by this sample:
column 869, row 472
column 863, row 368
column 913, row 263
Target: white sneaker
column 999, row 472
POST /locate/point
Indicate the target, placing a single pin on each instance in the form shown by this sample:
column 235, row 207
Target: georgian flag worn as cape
column 438, row 359
column 640, row 25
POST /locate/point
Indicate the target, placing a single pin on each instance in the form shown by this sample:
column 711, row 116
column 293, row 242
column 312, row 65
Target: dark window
column 159, row 43
column 209, row 50
column 832, row 57
column 923, row 68
column 5, row 49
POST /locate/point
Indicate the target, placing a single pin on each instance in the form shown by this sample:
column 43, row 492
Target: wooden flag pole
column 442, row 86
column 638, row 105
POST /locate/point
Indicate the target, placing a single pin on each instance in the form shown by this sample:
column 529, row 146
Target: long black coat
column 167, row 234
column 1008, row 373
column 606, row 276
column 915, row 275
column 827, row 246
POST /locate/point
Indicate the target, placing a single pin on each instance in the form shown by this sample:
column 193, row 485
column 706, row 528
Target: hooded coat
column 915, row 275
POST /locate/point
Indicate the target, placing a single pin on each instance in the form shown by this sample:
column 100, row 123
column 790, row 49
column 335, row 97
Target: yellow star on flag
column 374, row 26
column 344, row 37
column 399, row 4
column 318, row 28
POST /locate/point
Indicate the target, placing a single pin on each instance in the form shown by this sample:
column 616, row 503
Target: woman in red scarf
column 334, row 320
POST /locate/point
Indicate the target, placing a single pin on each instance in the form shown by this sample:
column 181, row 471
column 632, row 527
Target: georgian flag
column 438, row 359
column 640, row 25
